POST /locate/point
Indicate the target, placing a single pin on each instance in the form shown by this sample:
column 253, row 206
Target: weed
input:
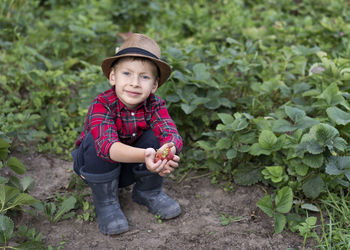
column 227, row 219
column 88, row 212
column 158, row 218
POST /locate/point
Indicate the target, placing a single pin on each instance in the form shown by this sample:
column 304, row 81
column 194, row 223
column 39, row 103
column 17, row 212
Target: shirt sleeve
column 164, row 127
column 103, row 128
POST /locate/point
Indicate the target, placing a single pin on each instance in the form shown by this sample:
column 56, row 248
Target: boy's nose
column 135, row 81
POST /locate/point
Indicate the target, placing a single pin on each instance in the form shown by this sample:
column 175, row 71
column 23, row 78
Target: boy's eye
column 126, row 73
column 145, row 77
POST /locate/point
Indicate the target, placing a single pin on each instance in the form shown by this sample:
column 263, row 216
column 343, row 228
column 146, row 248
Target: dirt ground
column 198, row 227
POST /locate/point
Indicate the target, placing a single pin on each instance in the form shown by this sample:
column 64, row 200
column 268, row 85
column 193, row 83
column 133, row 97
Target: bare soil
column 198, row 227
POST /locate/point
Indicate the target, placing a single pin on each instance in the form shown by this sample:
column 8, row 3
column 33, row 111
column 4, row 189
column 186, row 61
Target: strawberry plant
column 278, row 207
column 13, row 197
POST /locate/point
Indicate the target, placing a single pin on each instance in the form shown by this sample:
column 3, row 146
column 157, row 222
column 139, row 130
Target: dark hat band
column 135, row 50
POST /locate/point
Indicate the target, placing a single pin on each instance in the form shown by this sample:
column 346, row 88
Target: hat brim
column 164, row 68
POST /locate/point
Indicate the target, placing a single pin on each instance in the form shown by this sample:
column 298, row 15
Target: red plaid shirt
column 109, row 121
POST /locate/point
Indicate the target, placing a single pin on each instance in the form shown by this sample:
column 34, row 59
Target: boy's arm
column 121, row 152
column 164, row 127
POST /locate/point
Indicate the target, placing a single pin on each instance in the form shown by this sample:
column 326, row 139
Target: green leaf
column 50, row 209
column 311, row 221
column 313, row 187
column 339, row 143
column 267, row 139
column 332, row 95
column 282, row 126
column 23, row 199
column 256, row 150
column 284, row 200
column 188, row 109
column 301, row 50
column 4, row 149
column 314, row 148
column 310, row 207
column 200, row 72
column 342, row 162
column 301, row 169
column 275, row 171
column 6, row 228
column 27, row 182
column 294, row 114
column 6, row 194
column 332, row 169
column 239, row 124
column 3, row 180
column 213, row 104
column 4, row 144
column 247, row 175
column 300, row 65
column 226, row 118
column 293, row 221
column 313, row 161
column 204, row 145
column 280, row 222
column 325, row 132
column 65, row 207
column 224, row 143
column 338, row 165
column 306, row 122
column 16, row 165
column 338, row 116
column 254, row 32
column 265, row 204
column 232, row 153
column 306, row 227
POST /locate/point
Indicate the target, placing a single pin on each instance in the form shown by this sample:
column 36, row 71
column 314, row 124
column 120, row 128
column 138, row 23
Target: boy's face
column 134, row 81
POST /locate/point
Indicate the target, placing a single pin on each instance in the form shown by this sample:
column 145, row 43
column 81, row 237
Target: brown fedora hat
column 141, row 46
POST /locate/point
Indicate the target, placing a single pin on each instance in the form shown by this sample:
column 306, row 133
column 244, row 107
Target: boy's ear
column 155, row 86
column 112, row 77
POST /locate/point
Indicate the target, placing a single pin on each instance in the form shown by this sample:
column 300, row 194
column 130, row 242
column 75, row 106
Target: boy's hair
column 137, row 58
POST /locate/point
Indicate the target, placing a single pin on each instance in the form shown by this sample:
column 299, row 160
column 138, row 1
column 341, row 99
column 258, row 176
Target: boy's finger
column 176, row 158
column 161, row 166
column 168, row 168
column 173, row 164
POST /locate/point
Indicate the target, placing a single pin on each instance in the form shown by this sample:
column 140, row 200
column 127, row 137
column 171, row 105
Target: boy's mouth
column 132, row 93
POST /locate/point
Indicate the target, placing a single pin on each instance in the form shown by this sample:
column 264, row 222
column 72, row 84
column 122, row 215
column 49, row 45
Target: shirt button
column 134, row 134
column 132, row 113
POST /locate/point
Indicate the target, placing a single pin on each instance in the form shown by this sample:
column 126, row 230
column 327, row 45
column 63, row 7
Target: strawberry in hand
column 165, row 153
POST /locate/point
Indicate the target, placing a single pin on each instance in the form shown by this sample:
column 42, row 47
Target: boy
column 123, row 128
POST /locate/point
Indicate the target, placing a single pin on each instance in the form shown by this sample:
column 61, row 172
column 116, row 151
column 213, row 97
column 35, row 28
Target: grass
column 336, row 234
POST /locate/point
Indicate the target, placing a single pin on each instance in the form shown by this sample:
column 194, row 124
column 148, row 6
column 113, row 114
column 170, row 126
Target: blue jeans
column 85, row 156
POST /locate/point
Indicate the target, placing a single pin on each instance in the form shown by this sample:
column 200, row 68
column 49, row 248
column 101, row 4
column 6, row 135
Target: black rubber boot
column 110, row 217
column 148, row 192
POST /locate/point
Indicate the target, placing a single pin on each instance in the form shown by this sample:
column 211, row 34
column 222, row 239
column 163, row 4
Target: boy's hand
column 152, row 166
column 163, row 167
column 172, row 162
column 170, row 165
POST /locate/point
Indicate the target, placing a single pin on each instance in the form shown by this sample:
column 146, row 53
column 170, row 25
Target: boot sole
column 174, row 213
column 120, row 231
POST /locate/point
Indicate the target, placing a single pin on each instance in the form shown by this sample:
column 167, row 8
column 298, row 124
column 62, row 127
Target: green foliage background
column 259, row 89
